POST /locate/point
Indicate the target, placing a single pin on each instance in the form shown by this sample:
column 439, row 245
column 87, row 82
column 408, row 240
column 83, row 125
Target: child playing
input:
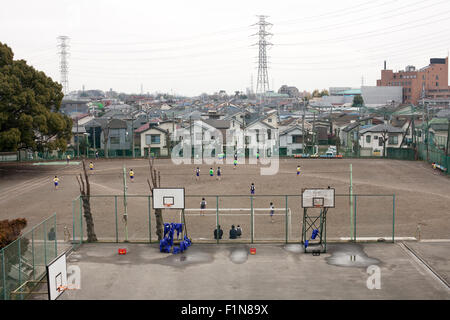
column 131, row 175
column 235, row 164
column 56, row 181
column 197, row 173
column 202, row 206
column 211, row 172
column 91, row 166
column 298, row 170
column 219, row 173
column 252, row 188
column 272, row 210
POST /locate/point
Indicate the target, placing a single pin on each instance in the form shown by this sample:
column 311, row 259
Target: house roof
column 381, row 128
column 147, row 127
column 218, row 124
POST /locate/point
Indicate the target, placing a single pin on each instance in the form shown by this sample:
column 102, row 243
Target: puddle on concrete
column 189, row 257
column 239, row 255
column 349, row 255
column 295, row 248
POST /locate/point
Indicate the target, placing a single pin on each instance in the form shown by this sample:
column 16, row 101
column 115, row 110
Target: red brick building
column 432, row 78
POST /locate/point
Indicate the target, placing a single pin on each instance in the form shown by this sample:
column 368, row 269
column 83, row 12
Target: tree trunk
column 159, row 224
column 89, row 220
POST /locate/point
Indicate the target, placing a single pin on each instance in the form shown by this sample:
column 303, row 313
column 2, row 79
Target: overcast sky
column 190, row 47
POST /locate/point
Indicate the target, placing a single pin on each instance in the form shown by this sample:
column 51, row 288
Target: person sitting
column 233, row 232
column 220, row 233
column 238, row 231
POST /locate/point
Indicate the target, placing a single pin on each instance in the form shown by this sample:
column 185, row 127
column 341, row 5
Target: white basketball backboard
column 57, row 277
column 318, row 198
column 168, row 198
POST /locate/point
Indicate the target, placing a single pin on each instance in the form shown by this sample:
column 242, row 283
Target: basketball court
column 275, row 272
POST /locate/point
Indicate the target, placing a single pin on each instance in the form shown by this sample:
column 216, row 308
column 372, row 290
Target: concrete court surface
column 277, row 271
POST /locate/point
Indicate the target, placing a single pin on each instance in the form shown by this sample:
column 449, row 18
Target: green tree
column 316, row 93
column 29, row 107
column 324, row 92
column 358, row 101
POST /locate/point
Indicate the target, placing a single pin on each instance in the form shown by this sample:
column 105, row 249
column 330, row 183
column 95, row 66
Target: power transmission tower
column 262, row 83
column 63, row 65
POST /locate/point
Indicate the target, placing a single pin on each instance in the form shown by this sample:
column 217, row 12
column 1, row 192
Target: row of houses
column 250, row 131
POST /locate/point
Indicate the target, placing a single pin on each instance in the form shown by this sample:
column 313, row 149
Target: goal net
column 201, row 223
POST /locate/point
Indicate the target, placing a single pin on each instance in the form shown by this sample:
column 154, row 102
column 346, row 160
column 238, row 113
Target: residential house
column 375, row 139
column 153, row 140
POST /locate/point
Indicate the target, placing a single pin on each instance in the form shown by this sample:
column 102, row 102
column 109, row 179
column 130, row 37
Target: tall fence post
column 354, row 218
column 217, row 219
column 393, row 218
column 251, row 222
column 56, row 239
column 4, row 273
column 73, row 221
column 32, row 252
column 115, row 215
column 81, row 221
column 286, row 219
column 149, row 220
column 20, row 264
column 45, row 243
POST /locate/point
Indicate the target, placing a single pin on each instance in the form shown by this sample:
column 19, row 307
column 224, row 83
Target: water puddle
column 189, row 257
column 349, row 255
column 239, row 255
column 294, row 248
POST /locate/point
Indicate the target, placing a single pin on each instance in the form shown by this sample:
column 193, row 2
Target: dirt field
column 421, row 196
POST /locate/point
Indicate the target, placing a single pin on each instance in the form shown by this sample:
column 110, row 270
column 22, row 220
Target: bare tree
column 85, row 191
column 155, row 182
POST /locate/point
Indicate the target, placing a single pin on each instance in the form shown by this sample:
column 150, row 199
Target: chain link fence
column 25, row 259
column 365, row 217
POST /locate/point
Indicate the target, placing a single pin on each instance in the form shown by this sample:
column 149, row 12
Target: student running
column 131, row 175
column 56, row 182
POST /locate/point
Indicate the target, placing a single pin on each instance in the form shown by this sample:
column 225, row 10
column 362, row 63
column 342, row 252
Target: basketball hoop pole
column 351, row 204
column 125, row 215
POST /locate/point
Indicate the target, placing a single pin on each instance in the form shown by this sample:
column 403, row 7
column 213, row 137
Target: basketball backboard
column 168, row 198
column 318, row 198
column 57, row 276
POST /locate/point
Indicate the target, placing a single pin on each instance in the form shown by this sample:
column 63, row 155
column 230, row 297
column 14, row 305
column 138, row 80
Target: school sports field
column 421, row 196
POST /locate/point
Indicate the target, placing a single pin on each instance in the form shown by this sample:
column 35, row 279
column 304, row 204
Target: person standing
column 219, row 173
column 197, row 173
column 235, row 163
column 96, row 155
column 298, row 170
column 131, row 175
column 272, row 210
column 56, row 182
column 257, row 155
column 91, row 166
column 202, row 207
column 211, row 172
column 252, row 188
column 68, row 158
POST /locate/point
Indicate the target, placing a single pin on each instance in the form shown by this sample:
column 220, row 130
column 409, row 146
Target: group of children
column 91, row 167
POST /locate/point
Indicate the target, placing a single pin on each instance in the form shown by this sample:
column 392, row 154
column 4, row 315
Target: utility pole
column 303, row 130
column 262, row 83
column 63, row 65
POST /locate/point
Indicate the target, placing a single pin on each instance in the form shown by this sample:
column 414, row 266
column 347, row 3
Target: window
column 437, row 77
column 296, row 139
column 152, row 139
column 114, row 140
column 212, row 137
column 368, row 138
column 380, row 142
column 393, row 140
column 437, row 84
column 248, row 139
column 270, row 119
column 375, row 137
column 269, row 134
